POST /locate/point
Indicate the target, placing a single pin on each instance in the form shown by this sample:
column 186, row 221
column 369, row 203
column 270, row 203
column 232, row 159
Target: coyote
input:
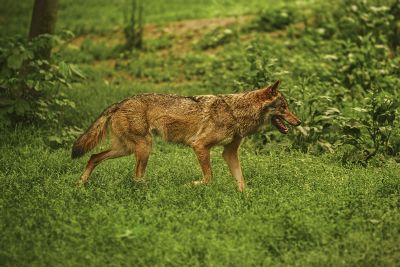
column 200, row 122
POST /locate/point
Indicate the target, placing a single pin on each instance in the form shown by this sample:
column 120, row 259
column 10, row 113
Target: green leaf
column 64, row 69
column 26, row 54
column 30, row 83
column 303, row 131
column 363, row 110
column 4, row 102
column 15, row 61
column 21, row 106
column 352, row 131
column 325, row 145
column 332, row 111
column 75, row 70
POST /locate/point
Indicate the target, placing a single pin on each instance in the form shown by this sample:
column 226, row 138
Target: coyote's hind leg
column 142, row 153
column 117, row 150
column 96, row 159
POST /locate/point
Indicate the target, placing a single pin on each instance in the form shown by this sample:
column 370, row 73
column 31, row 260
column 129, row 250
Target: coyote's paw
column 198, row 182
column 80, row 183
column 138, row 180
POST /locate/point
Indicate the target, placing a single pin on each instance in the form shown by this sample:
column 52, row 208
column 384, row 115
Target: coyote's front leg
column 203, row 155
column 231, row 157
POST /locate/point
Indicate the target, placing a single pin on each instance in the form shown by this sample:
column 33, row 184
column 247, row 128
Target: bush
column 351, row 19
column 371, row 130
column 275, row 18
column 30, row 84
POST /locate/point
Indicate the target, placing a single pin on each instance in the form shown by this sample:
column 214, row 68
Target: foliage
column 321, row 116
column 371, row 130
column 354, row 18
column 275, row 18
column 364, row 64
column 362, row 32
column 30, row 84
column 64, row 137
column 394, row 34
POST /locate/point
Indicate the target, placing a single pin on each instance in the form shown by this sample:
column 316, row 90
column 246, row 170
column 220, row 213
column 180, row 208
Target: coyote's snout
column 281, row 113
column 200, row 122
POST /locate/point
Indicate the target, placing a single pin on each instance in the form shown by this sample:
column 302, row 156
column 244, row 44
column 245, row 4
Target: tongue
column 278, row 123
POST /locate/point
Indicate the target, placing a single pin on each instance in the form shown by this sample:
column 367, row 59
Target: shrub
column 275, row 18
column 30, row 85
column 371, row 129
column 351, row 19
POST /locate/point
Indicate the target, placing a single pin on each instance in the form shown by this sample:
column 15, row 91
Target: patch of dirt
column 112, row 39
column 185, row 27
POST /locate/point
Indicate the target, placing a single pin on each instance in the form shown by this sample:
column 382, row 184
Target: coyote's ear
column 271, row 91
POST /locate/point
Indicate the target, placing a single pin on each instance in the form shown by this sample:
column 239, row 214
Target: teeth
column 280, row 125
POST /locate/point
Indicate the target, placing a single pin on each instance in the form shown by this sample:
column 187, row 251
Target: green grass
column 298, row 210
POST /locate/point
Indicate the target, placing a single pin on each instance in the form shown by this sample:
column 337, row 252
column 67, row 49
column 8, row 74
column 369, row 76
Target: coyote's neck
column 248, row 113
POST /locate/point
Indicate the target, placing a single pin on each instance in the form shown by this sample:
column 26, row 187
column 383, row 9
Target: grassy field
column 299, row 210
column 309, row 201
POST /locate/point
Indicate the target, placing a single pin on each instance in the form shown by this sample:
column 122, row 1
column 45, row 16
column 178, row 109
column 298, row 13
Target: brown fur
column 200, row 122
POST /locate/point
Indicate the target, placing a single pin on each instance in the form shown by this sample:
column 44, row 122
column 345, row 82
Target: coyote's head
column 277, row 109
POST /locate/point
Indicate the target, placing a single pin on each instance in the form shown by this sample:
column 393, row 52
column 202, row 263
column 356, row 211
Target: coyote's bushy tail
column 94, row 135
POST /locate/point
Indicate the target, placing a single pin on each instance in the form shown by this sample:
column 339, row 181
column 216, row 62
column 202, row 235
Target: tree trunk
column 44, row 16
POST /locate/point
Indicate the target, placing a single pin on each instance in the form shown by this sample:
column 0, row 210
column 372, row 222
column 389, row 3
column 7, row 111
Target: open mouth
column 278, row 123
